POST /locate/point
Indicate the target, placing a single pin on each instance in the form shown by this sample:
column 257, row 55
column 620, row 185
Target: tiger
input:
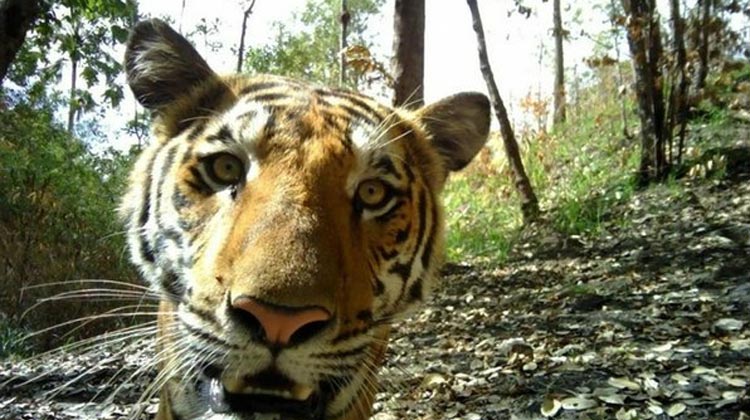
column 286, row 226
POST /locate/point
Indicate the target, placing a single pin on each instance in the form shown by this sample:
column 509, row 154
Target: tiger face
column 286, row 226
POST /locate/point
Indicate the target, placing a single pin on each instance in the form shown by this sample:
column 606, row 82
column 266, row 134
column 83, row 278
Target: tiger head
column 286, row 226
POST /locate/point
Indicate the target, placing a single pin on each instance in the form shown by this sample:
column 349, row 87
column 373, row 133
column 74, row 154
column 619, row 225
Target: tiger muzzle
column 266, row 393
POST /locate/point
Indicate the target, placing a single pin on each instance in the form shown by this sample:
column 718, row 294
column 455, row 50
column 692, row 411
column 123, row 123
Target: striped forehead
column 240, row 127
column 267, row 106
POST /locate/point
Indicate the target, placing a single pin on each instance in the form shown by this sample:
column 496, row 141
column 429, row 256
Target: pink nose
column 281, row 323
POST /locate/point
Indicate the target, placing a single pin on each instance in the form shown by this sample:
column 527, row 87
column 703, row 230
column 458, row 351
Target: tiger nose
column 281, row 325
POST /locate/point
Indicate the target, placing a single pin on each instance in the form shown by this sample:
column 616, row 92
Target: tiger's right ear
column 161, row 64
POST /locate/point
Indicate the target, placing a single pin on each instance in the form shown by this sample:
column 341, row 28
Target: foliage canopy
column 311, row 50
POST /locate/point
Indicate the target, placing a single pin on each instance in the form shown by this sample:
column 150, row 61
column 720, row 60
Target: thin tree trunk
column 182, row 14
column 654, row 62
column 645, row 51
column 559, row 88
column 345, row 17
column 529, row 202
column 241, row 49
column 72, row 107
column 620, row 78
column 702, row 71
column 17, row 16
column 678, row 94
column 408, row 53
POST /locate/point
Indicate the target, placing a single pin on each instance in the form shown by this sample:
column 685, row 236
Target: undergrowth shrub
column 57, row 227
column 578, row 171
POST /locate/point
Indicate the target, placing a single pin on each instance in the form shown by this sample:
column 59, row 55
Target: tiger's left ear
column 459, row 126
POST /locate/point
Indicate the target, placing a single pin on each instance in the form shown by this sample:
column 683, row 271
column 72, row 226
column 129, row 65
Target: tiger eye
column 372, row 193
column 227, row 169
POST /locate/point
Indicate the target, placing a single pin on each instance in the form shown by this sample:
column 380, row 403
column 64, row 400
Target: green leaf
column 119, row 33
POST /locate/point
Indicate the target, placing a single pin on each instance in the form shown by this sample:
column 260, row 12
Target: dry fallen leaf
column 616, row 399
column 735, row 382
column 624, row 383
column 433, row 381
column 550, row 406
column 729, row 324
column 578, row 403
column 655, row 408
column 623, row 414
column 529, row 367
column 676, row 409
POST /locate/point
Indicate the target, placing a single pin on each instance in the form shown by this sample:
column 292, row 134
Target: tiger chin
column 286, row 226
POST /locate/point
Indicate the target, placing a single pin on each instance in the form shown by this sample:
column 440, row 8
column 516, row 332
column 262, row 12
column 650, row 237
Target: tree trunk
column 678, row 94
column 620, row 76
column 559, row 89
column 645, row 48
column 72, row 106
column 182, row 15
column 408, row 53
column 345, row 17
column 17, row 17
column 658, row 106
column 704, row 32
column 529, row 202
column 241, row 49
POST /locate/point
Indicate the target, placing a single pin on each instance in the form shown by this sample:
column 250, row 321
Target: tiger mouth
column 288, row 400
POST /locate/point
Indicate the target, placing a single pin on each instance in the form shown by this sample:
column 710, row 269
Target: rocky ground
column 649, row 319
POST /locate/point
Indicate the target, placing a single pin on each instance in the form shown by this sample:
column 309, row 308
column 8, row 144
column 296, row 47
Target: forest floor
column 650, row 318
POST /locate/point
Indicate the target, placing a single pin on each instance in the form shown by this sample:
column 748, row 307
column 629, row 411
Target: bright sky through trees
column 451, row 63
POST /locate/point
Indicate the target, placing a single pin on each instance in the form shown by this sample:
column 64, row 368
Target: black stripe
column 350, row 334
column 186, row 224
column 364, row 315
column 407, row 169
column 163, row 174
column 346, row 141
column 331, row 122
column 247, row 115
column 203, row 314
column 208, row 337
column 147, row 252
column 385, row 164
column 391, row 213
column 430, row 242
column 270, row 97
column 171, row 283
column 180, row 200
column 270, row 127
column 205, row 105
column 357, row 351
column 224, row 135
column 364, row 106
column 415, row 291
column 403, row 234
column 401, row 269
column 257, row 87
column 197, row 131
column 198, row 183
column 378, row 287
column 352, row 112
column 387, row 255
